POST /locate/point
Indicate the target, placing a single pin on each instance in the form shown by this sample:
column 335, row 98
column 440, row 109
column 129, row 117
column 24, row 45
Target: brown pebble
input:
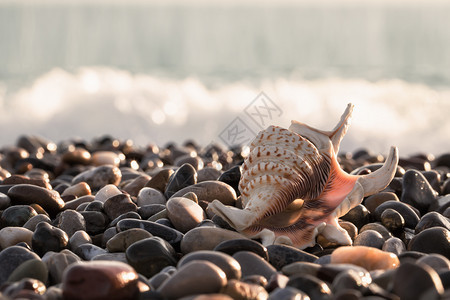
column 79, row 190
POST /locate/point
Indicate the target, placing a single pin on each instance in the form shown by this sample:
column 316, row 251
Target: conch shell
column 293, row 188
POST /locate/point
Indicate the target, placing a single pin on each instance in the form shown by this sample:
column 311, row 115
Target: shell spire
column 292, row 186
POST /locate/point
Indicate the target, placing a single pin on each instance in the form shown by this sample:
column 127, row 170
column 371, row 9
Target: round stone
column 359, row 216
column 330, row 272
column 369, row 238
column 116, row 256
column 101, row 158
column 31, row 223
column 394, row 245
column 11, row 258
column 408, row 214
column 367, row 257
column 28, row 194
column 119, row 204
column 392, row 220
column 430, row 220
column 149, row 256
column 80, row 237
column 10, row 236
column 412, row 281
column 70, row 221
column 106, row 192
column 17, row 215
column 209, row 191
column 100, row 280
column 172, row 236
column 5, row 202
column 99, row 177
column 288, row 293
column 224, row 261
column 77, row 156
column 282, row 255
column 232, row 177
column 206, row 238
column 208, row 173
column 57, row 262
column 33, row 268
column 184, row 213
column 378, row 228
column 438, row 262
column 148, row 196
column 372, row 202
column 48, row 238
column 195, row 277
column 313, row 287
column 301, row 267
column 96, row 221
column 432, row 240
column 242, row 290
column 122, row 240
column 253, row 264
column 230, row 247
column 184, row 176
column 350, row 279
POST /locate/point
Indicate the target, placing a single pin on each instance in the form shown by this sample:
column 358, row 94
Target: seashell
column 292, row 186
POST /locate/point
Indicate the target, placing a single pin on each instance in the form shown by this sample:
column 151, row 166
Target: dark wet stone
column 48, row 238
column 195, row 161
column 441, row 204
column 276, row 281
column 79, row 238
column 349, row 294
column 313, row 287
column 377, row 227
column 443, row 160
column 99, row 177
column 184, row 176
column 436, row 261
column 430, row 220
column 5, row 202
column 394, row 245
column 329, row 272
column 172, row 236
column 211, row 190
column 408, row 214
column 148, row 196
column 255, row 279
column 243, row 290
column 160, row 180
column 75, row 203
column 127, row 215
column 288, row 293
column 94, row 206
column 359, row 216
column 282, row 255
column 70, row 221
column 89, row 251
column 300, row 267
column 147, row 211
column 350, row 279
column 434, row 179
column 410, row 256
column 76, row 156
column 21, row 179
column 253, row 264
column 165, row 222
column 149, row 256
column 119, row 204
column 33, row 268
column 432, row 240
column 96, row 221
column 28, row 194
column 224, row 261
column 156, row 280
column 100, row 280
column 11, row 258
column 232, row 177
column 17, row 215
column 412, row 281
column 417, row 191
column 220, row 222
column 196, row 277
column 392, row 220
column 136, row 184
column 446, row 187
column 369, row 238
column 351, row 229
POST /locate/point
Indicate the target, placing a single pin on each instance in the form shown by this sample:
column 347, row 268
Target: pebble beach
column 105, row 219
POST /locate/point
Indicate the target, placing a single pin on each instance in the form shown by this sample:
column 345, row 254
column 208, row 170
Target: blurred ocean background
column 160, row 71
